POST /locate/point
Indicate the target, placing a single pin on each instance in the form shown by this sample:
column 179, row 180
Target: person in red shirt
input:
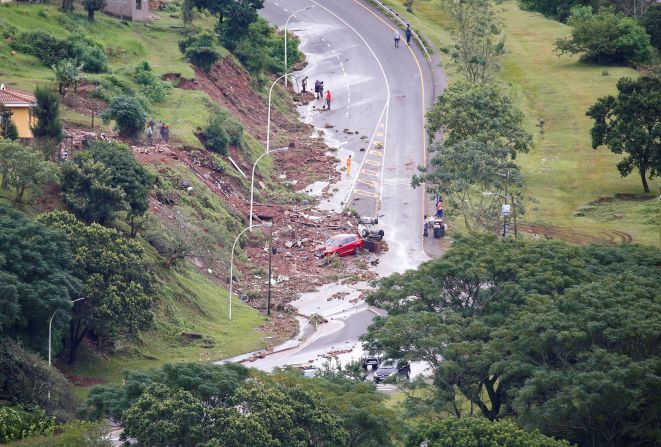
column 328, row 99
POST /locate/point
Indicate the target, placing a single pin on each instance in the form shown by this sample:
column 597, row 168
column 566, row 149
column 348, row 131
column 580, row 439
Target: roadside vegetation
column 571, row 191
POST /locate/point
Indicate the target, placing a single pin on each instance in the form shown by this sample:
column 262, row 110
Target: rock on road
column 380, row 94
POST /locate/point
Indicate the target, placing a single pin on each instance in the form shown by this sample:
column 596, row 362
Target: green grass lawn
column 187, row 301
column 564, row 174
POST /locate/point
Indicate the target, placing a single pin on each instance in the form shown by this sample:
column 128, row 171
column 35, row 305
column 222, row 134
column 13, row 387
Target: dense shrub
column 18, row 423
column 199, row 50
column 151, row 86
column 50, row 50
column 216, row 135
column 652, row 23
column 111, row 86
column 25, row 379
column 606, row 37
column 262, row 49
column 128, row 114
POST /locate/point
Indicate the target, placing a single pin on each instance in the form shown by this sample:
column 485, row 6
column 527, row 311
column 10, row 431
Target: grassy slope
column 188, row 301
column 563, row 172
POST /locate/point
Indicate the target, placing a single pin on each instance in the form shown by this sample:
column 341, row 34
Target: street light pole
column 232, row 263
column 286, row 24
column 50, row 336
column 50, row 327
column 252, row 179
column 268, row 147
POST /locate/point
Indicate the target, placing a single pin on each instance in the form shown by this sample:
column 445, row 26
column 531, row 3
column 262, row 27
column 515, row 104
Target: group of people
column 319, row 93
column 407, row 33
column 159, row 132
column 435, row 223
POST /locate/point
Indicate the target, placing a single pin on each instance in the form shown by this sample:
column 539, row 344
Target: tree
column 127, row 174
column 558, row 9
column 215, row 135
column 479, row 43
column 116, row 283
column 34, row 277
column 605, row 37
column 27, row 169
column 210, row 383
column 199, row 50
column 26, row 379
column 8, row 150
column 164, row 417
column 87, row 189
column 67, row 5
column 67, row 74
column 592, row 361
column 478, row 432
column 652, row 23
column 92, row 6
column 233, row 17
column 8, row 129
column 483, row 131
column 127, row 113
column 47, row 114
column 631, row 123
column 256, row 415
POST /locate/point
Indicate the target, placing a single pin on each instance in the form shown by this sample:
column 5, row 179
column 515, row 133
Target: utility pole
column 506, row 215
column 268, row 297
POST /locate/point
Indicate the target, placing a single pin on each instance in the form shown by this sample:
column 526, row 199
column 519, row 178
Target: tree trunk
column 90, row 15
column 642, row 177
column 19, row 193
column 75, row 339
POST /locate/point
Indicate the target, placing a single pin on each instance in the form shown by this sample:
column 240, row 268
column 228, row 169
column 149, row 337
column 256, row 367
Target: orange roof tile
column 11, row 97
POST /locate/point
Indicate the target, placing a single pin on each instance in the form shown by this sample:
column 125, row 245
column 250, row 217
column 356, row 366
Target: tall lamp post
column 286, row 24
column 250, row 227
column 268, row 147
column 505, row 209
column 50, row 332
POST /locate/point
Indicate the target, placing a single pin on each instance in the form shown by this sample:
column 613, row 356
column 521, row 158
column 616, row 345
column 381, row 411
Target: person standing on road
column 150, row 135
column 397, row 38
column 304, row 83
column 408, row 34
column 439, row 209
column 328, row 99
column 321, row 90
column 159, row 131
column 349, row 165
column 316, row 88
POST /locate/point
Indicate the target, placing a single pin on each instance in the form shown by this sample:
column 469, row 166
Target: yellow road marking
column 369, row 172
column 365, row 193
column 377, row 153
column 372, row 162
column 371, row 183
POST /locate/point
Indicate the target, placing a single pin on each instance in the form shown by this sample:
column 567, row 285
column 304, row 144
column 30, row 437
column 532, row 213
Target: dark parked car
column 341, row 245
column 390, row 368
column 370, row 361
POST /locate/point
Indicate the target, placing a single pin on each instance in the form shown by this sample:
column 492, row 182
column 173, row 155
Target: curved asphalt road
column 380, row 93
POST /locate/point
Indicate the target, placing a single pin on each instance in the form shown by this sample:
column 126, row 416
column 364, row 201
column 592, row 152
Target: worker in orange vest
column 328, row 99
column 349, row 164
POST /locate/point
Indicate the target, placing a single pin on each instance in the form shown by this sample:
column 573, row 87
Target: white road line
column 386, row 107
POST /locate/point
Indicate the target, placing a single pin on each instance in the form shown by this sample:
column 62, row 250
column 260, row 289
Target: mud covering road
column 379, row 96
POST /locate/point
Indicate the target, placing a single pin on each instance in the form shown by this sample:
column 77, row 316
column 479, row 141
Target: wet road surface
column 379, row 96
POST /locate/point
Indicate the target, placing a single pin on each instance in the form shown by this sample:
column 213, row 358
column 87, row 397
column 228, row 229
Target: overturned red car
column 341, row 245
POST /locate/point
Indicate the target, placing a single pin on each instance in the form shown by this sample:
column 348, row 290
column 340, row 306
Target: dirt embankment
column 296, row 229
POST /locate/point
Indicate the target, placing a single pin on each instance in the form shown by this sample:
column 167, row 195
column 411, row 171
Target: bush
column 18, row 423
column 222, row 130
column 652, row 23
column 73, row 434
column 111, row 86
column 199, row 50
column 216, row 136
column 51, row 50
column 47, row 114
column 25, row 379
column 557, row 9
column 128, row 114
column 151, row 86
column 606, row 37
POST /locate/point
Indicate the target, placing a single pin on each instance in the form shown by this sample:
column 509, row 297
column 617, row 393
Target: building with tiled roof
column 18, row 108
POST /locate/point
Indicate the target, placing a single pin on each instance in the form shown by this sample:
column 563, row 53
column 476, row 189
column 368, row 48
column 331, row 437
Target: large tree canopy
column 631, row 123
column 35, row 277
column 522, row 328
column 478, row 432
column 482, row 131
column 116, row 282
